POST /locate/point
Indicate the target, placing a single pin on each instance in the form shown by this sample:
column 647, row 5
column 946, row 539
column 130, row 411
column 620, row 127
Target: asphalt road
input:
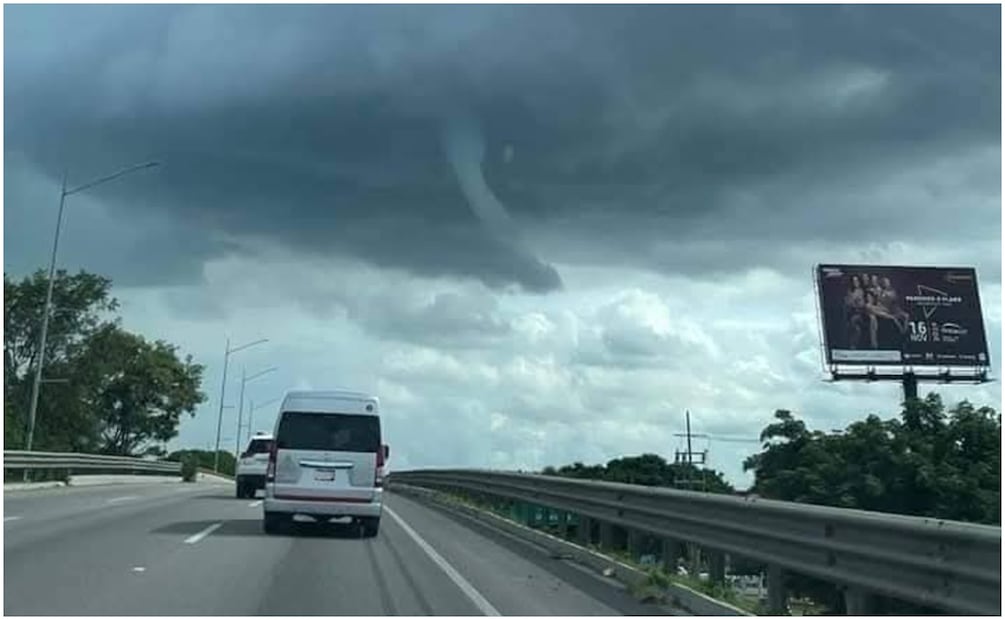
column 196, row 550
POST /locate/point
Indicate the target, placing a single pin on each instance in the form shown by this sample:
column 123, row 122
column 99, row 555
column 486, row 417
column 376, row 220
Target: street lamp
column 223, row 391
column 252, row 408
column 245, row 379
column 37, row 383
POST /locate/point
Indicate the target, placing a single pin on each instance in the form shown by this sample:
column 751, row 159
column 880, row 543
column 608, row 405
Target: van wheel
column 272, row 522
column 371, row 525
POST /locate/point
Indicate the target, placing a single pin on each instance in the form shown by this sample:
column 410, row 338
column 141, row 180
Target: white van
column 327, row 460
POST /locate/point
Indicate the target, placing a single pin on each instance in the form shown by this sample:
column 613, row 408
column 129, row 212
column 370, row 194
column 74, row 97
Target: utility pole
column 686, row 457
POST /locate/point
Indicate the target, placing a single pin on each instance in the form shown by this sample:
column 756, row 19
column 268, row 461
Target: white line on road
column 139, row 569
column 125, row 498
column 6, row 519
column 191, row 540
column 255, row 504
column 480, row 602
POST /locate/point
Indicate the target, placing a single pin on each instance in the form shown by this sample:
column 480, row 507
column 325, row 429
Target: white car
column 327, row 460
column 251, row 467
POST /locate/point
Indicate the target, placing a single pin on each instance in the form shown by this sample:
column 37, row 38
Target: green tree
column 139, row 389
column 930, row 462
column 119, row 393
column 81, row 305
column 647, row 470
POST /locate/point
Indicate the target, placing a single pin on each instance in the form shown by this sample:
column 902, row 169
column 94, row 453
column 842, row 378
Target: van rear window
column 328, row 431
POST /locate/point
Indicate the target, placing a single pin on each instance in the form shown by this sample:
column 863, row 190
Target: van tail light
column 270, row 470
column 378, row 476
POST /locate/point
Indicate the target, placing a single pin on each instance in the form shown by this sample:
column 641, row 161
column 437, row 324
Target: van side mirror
column 387, row 451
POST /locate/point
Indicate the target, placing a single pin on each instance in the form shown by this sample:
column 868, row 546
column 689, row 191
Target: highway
column 193, row 549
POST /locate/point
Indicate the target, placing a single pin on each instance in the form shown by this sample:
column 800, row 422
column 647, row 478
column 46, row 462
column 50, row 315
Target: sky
column 539, row 234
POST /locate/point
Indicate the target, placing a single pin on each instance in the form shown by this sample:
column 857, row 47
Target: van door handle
column 327, row 464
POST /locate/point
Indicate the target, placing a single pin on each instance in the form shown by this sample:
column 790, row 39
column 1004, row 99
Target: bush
column 189, row 467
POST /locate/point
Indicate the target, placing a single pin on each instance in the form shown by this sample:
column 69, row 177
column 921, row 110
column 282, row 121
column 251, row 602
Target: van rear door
column 326, row 457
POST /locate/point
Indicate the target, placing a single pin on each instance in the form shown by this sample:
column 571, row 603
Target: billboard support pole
column 910, row 382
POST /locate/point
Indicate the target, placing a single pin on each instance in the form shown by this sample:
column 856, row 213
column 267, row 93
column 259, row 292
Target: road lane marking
column 255, row 504
column 139, row 569
column 480, row 602
column 6, row 519
column 125, row 498
column 191, row 540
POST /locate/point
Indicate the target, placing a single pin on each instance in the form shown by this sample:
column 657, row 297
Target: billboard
column 911, row 316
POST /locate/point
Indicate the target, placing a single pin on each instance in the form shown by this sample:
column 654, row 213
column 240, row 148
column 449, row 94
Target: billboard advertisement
column 911, row 316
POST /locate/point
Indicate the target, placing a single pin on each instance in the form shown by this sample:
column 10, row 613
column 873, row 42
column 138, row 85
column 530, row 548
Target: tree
column 81, row 305
column 139, row 389
column 119, row 392
column 646, row 470
column 930, row 462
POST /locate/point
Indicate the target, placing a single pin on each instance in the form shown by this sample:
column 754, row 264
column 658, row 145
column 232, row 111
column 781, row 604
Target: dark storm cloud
column 328, row 127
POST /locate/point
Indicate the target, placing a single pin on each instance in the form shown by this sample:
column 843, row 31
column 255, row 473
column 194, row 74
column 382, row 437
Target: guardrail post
column 568, row 527
column 777, row 596
column 693, row 560
column 716, row 566
column 584, row 531
column 668, row 555
column 858, row 602
column 606, row 535
column 636, row 544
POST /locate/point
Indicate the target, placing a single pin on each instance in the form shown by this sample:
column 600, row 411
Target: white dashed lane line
column 6, row 519
column 191, row 540
column 255, row 504
column 119, row 500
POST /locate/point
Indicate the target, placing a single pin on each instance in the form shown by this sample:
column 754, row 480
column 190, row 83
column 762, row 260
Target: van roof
column 342, row 394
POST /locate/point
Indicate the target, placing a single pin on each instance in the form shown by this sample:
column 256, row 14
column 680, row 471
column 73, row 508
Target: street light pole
column 223, row 388
column 252, row 408
column 219, row 418
column 240, row 411
column 36, row 385
column 240, row 407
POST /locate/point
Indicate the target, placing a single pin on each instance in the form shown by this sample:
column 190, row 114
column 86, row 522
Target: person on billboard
column 875, row 310
column 873, row 286
column 854, row 304
column 890, row 301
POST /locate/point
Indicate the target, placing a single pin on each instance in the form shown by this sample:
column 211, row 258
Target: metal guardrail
column 21, row 459
column 945, row 565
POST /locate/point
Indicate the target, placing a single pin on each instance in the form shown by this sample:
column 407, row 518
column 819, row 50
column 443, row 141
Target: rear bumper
column 323, row 506
column 255, row 480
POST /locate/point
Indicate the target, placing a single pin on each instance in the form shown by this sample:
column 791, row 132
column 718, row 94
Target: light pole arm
column 111, row 177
